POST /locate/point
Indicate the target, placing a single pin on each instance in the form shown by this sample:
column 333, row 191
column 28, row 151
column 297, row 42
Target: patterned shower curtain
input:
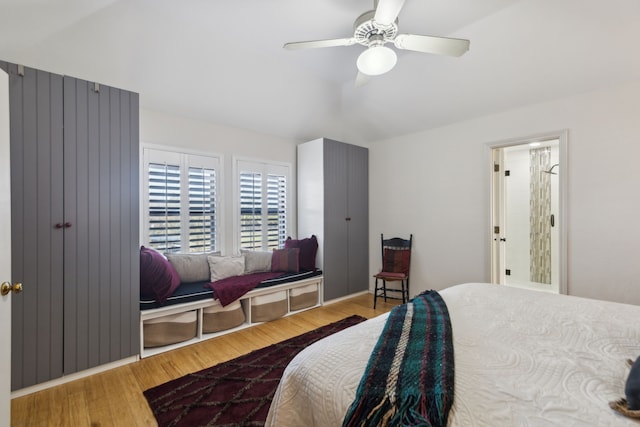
column 540, row 215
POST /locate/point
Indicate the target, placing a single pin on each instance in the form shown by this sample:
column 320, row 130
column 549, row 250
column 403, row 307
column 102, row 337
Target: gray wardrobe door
column 336, row 249
column 74, row 225
column 358, row 211
column 36, row 199
column 101, row 279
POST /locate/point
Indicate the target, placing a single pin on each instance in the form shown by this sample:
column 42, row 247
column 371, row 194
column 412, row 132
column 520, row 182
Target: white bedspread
column 522, row 358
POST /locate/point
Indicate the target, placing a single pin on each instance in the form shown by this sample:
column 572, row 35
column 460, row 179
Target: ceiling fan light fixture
column 377, row 60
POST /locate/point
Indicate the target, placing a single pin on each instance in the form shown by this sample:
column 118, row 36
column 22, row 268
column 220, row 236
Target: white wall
column 173, row 131
column 445, row 203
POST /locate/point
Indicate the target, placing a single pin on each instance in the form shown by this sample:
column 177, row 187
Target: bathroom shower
column 527, row 240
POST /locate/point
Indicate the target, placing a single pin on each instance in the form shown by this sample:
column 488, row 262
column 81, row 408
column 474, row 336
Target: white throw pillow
column 256, row 261
column 225, row 266
column 192, row 267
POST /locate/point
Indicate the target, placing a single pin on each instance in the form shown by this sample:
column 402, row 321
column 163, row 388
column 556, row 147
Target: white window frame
column 264, row 167
column 185, row 159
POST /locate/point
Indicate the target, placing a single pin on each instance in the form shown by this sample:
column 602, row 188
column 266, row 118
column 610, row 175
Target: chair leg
column 375, row 294
column 384, row 289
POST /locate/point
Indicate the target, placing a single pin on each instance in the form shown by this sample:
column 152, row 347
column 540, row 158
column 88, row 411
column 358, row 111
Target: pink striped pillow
column 286, row 260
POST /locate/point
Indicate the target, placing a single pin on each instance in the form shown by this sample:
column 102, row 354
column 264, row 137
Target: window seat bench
column 191, row 314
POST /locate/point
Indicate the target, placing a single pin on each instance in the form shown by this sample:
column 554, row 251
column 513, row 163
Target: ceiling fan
column 379, row 26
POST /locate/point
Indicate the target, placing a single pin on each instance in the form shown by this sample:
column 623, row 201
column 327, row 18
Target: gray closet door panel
column 104, row 282
column 358, row 207
column 116, row 224
column 89, row 347
column 36, row 146
column 27, row 144
column 131, row 243
column 335, row 266
column 88, row 291
column 47, row 124
column 18, row 221
column 75, row 130
column 74, row 248
column 98, row 250
column 106, row 325
column 29, row 234
column 99, row 287
column 49, row 141
column 57, row 209
column 97, row 215
column 81, row 243
column 124, row 331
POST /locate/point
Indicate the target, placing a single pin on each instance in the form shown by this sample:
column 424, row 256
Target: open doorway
column 529, row 212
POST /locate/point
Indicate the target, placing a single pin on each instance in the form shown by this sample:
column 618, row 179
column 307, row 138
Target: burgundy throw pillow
column 286, row 260
column 158, row 277
column 396, row 261
column 308, row 250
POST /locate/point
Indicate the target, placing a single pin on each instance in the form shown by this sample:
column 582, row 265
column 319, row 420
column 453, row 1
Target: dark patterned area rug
column 233, row 393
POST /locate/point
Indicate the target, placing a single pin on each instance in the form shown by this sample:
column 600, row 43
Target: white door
column 498, row 222
column 529, row 242
column 5, row 254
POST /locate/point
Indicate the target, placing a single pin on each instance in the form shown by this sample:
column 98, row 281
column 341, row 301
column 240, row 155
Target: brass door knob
column 6, row 287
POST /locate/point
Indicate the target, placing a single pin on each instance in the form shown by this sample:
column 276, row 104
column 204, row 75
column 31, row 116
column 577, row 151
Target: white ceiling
column 223, row 61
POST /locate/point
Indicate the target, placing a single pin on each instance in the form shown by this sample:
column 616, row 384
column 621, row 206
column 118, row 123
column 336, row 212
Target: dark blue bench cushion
column 289, row 277
column 189, row 292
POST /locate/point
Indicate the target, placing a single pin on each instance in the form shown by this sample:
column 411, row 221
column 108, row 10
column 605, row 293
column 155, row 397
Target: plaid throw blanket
column 409, row 377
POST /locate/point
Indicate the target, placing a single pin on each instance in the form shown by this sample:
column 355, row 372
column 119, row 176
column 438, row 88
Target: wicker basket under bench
column 174, row 326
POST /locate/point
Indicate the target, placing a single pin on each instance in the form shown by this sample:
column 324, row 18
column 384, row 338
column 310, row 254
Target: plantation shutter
column 202, row 209
column 277, row 210
column 250, row 210
column 164, row 207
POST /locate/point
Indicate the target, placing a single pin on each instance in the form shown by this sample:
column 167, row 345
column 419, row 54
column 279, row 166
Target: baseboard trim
column 333, row 301
column 72, row 377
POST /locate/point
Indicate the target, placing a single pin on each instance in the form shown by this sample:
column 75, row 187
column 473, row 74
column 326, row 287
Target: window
column 263, row 200
column 180, row 201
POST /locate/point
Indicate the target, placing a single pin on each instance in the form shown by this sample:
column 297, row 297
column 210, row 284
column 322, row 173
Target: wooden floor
column 114, row 398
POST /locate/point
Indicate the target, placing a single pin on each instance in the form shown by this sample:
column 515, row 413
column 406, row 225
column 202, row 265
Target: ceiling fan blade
column 431, row 44
column 362, row 79
column 319, row 43
column 387, row 11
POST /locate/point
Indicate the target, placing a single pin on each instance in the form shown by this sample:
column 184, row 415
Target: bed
column 522, row 358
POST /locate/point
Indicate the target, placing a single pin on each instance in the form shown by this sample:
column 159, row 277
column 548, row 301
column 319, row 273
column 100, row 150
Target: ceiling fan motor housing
column 366, row 30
